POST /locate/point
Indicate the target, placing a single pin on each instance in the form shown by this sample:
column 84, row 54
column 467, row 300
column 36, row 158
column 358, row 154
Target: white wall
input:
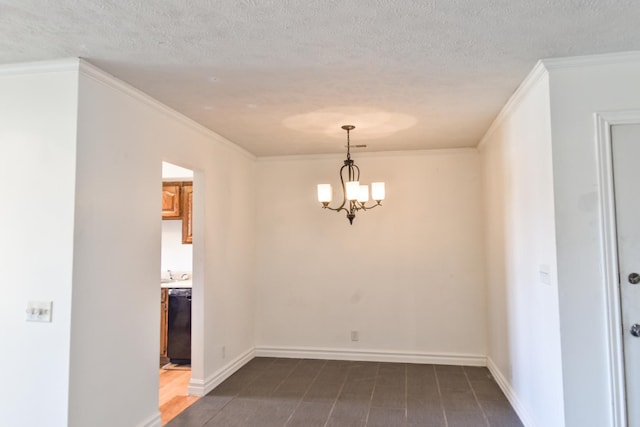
column 175, row 255
column 37, row 150
column 581, row 87
column 524, row 337
column 117, row 251
column 95, row 249
column 408, row 276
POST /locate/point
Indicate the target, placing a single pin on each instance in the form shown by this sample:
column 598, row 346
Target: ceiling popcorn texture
column 280, row 77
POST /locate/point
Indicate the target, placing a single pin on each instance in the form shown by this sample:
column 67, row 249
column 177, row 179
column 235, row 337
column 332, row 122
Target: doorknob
column 634, row 278
column 635, row 330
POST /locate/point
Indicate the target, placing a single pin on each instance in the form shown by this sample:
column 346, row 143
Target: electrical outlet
column 223, row 351
column 355, row 336
column 39, row 311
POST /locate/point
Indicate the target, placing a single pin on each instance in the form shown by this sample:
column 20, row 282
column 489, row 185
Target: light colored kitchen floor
column 173, row 393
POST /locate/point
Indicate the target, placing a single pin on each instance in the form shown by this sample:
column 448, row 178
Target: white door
column 626, row 173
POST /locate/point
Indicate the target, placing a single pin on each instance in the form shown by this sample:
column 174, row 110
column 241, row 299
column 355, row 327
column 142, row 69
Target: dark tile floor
column 270, row 392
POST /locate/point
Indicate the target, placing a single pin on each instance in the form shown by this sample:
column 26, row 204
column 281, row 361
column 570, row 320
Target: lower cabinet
column 164, row 311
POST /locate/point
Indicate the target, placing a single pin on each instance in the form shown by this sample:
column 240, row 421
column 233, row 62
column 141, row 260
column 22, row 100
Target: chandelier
column 354, row 195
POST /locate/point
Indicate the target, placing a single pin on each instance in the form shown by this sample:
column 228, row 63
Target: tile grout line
column 475, row 396
column 375, row 383
column 305, row 393
column 235, row 396
column 279, row 384
column 335, row 401
column 286, row 377
column 444, row 413
column 406, row 394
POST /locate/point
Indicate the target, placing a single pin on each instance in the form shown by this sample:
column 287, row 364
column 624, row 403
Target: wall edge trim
column 91, row 71
column 510, row 393
column 202, row 387
column 372, row 355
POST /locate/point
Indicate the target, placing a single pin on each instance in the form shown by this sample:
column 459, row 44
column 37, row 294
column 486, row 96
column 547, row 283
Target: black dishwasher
column 179, row 326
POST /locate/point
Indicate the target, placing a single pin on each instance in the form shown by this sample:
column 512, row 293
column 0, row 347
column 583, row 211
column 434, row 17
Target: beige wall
column 408, row 276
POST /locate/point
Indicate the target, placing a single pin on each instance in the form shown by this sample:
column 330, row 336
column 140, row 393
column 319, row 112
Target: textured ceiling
column 281, row 77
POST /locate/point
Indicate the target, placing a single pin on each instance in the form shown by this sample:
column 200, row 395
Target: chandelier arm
column 344, row 194
column 347, row 164
column 366, row 208
column 338, row 209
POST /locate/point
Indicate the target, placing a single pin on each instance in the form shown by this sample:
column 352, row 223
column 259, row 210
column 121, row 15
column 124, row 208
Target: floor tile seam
column 444, row 413
column 285, row 378
column 305, row 393
column 262, row 370
column 217, row 412
column 475, row 396
column 252, row 412
column 406, row 393
column 335, row 401
column 373, row 390
column 230, row 400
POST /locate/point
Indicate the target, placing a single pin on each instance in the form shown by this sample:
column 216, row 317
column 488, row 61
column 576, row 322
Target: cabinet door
column 171, row 201
column 164, row 310
column 187, row 213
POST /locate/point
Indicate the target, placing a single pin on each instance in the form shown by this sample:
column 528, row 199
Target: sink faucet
column 170, row 274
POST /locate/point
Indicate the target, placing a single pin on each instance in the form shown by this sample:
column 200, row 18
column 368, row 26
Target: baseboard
column 153, row 421
column 524, row 415
column 202, row 387
column 372, row 355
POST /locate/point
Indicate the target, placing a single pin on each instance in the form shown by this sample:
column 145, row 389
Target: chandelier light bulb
column 325, row 193
column 377, row 191
column 352, row 189
column 363, row 194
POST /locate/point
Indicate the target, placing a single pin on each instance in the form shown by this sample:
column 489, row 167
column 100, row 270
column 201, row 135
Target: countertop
column 176, row 284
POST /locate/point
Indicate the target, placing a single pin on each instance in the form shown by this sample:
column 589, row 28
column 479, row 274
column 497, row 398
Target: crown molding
column 40, row 67
column 535, row 76
column 371, row 154
column 591, row 60
column 89, row 70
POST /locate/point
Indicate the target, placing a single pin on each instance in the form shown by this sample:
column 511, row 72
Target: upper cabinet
column 171, row 206
column 187, row 209
column 177, row 203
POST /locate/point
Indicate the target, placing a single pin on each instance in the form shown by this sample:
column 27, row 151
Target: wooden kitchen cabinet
column 171, row 203
column 187, row 213
column 164, row 311
column 177, row 203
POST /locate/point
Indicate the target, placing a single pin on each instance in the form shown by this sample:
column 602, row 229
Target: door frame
column 609, row 253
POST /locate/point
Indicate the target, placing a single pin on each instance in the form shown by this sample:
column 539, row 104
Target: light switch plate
column 39, row 311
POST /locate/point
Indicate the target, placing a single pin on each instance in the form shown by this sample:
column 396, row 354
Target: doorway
column 176, row 278
column 626, row 176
